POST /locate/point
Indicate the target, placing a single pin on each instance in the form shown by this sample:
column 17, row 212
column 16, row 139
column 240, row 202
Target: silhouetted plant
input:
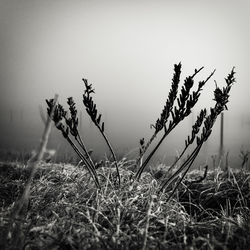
column 195, row 130
column 72, row 123
column 92, row 111
column 161, row 122
column 68, row 125
column 70, row 128
column 221, row 98
column 185, row 102
column 175, row 110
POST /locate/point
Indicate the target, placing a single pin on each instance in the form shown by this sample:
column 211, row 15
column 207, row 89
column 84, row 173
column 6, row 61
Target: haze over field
column 127, row 49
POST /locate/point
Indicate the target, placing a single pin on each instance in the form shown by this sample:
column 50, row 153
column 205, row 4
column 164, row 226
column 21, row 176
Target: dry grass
column 67, row 211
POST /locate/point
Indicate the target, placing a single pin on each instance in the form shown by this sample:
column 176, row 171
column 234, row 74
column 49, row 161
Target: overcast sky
column 127, row 49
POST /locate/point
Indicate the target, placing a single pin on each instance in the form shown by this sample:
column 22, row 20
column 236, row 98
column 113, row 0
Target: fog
column 127, row 49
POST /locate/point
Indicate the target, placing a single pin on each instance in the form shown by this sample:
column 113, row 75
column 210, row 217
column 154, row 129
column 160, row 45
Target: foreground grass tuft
column 67, row 211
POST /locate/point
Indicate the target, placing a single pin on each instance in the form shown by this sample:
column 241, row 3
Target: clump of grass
column 66, row 211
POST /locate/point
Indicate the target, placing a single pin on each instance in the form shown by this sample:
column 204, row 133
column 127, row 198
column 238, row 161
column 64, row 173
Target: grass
column 67, row 211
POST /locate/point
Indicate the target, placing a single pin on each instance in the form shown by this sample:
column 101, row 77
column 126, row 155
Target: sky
column 127, row 49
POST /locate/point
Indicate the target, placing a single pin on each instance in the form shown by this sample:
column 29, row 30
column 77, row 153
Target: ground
column 66, row 211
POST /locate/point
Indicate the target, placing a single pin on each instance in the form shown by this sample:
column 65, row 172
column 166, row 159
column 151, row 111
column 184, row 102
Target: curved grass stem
column 89, row 167
column 82, row 145
column 140, row 170
column 188, row 164
column 113, row 154
column 177, row 172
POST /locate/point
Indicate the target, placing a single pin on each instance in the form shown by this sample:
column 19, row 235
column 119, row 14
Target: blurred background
column 127, row 49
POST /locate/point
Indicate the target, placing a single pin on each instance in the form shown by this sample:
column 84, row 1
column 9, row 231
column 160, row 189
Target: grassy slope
column 67, row 212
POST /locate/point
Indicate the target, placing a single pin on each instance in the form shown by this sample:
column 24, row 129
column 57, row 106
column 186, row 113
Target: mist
column 127, row 50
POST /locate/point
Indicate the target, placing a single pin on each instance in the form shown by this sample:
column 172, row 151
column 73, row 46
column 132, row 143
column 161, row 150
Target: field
column 67, row 211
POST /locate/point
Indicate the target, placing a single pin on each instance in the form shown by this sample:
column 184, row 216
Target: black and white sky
column 127, row 49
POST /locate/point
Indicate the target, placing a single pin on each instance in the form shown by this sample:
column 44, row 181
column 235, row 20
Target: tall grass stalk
column 92, row 112
column 20, row 207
